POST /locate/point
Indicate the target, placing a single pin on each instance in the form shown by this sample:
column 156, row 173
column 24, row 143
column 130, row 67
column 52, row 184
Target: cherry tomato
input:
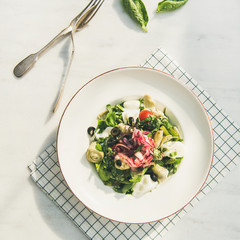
column 144, row 114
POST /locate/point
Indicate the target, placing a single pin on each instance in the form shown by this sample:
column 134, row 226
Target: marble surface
column 203, row 37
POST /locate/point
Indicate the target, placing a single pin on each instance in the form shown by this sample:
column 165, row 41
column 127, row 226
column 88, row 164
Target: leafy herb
column 137, row 11
column 115, row 108
column 99, row 147
column 137, row 177
column 112, row 118
column 141, row 107
column 171, row 163
column 101, row 126
column 152, row 123
column 170, row 5
column 166, row 123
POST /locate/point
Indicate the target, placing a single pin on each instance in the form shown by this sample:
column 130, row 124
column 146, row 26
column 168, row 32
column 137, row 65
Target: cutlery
column 76, row 24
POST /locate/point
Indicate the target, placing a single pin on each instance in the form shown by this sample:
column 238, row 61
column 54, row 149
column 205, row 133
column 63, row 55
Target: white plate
column 72, row 142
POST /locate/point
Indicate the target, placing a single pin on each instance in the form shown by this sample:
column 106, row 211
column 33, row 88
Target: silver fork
column 80, row 21
column 76, row 24
column 79, row 24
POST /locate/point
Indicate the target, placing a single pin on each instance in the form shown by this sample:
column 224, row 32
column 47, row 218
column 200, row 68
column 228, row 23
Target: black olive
column 154, row 177
column 91, row 131
column 131, row 121
column 119, row 163
column 115, row 131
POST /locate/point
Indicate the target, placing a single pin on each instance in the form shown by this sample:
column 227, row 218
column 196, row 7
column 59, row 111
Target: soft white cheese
column 172, row 147
column 144, row 186
column 104, row 134
column 130, row 109
column 131, row 104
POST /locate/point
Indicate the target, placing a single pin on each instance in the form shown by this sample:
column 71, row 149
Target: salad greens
column 138, row 12
column 125, row 151
column 112, row 118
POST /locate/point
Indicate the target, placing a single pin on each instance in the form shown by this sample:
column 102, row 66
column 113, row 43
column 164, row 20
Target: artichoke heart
column 93, row 155
column 158, row 138
column 153, row 106
column 148, row 102
column 161, row 172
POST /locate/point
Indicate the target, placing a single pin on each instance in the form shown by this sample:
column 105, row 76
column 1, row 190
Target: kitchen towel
column 46, row 172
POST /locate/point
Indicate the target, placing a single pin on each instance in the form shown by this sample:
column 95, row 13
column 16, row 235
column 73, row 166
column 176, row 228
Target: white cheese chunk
column 104, row 134
column 144, row 186
column 131, row 104
column 173, row 149
column 130, row 109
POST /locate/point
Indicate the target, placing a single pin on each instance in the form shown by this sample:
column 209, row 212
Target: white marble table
column 203, row 37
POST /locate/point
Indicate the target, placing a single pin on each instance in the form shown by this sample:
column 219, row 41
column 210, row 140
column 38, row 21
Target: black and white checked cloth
column 46, row 173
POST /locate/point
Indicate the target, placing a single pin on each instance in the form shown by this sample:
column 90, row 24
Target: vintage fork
column 83, row 21
column 76, row 24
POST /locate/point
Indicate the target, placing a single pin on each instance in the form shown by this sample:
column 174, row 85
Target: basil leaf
column 99, row 147
column 137, row 11
column 101, row 126
column 170, row 161
column 111, row 119
column 170, row 5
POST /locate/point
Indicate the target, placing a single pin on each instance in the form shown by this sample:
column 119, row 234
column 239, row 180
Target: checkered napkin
column 46, row 173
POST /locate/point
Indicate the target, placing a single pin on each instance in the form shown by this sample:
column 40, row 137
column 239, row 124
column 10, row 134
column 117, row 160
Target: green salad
column 134, row 146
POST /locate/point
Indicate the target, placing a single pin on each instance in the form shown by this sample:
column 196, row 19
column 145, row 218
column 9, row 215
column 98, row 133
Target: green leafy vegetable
column 171, row 163
column 103, row 172
column 111, row 118
column 99, row 147
column 137, row 11
column 101, row 125
column 141, row 107
column 170, row 5
column 151, row 123
column 137, row 176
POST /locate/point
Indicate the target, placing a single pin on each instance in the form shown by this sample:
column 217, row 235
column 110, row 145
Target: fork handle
column 28, row 62
column 25, row 65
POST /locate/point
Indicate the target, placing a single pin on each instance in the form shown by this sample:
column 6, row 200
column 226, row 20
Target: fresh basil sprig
column 170, row 5
column 137, row 11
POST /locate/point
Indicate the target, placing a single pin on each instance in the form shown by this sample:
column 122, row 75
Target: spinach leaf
column 137, row 11
column 170, row 5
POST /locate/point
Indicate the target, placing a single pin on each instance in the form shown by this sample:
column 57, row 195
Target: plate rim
column 149, row 69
